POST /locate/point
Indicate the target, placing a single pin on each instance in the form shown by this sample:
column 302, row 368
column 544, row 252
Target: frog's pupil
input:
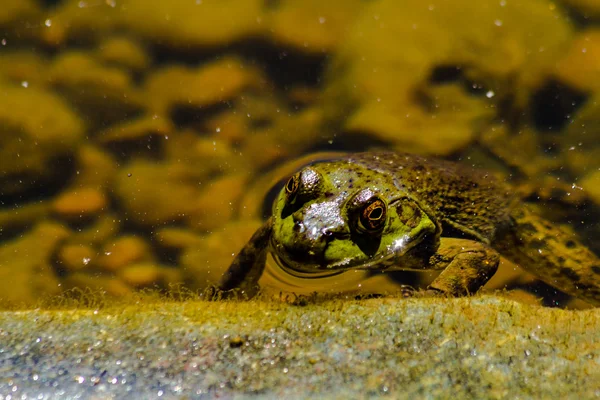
column 376, row 213
column 373, row 215
column 291, row 186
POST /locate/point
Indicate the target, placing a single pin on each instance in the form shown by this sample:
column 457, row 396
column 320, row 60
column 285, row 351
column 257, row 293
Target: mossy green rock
column 468, row 348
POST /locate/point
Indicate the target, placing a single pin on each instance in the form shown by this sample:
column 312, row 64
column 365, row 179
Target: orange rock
column 122, row 252
column 580, row 67
column 80, row 203
column 140, row 275
column 75, row 257
column 216, row 205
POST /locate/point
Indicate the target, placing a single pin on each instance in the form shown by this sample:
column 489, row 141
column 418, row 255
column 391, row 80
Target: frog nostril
column 298, row 226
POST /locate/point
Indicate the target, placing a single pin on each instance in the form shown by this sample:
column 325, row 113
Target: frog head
column 335, row 216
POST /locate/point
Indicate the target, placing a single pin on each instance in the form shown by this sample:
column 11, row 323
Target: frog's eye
column 372, row 216
column 291, row 187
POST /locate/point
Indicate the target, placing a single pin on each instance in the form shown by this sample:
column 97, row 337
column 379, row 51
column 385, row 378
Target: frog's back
column 466, row 201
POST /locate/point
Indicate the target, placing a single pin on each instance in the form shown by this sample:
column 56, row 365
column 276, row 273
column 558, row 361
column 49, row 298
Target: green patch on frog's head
column 336, row 216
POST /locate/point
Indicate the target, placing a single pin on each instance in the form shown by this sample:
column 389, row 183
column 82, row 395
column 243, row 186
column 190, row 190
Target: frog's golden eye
column 291, row 187
column 373, row 215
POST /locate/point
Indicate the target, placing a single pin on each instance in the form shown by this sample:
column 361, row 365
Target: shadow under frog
column 389, row 211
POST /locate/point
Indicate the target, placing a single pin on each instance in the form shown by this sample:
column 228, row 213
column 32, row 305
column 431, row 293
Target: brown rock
column 103, row 229
column 312, row 26
column 141, row 128
column 580, row 67
column 26, row 276
column 216, row 204
column 122, row 252
column 103, row 94
column 187, row 24
column 37, row 129
column 140, row 275
column 591, row 185
column 204, row 264
column 73, row 257
column 199, row 87
column 153, row 194
column 123, row 52
column 176, row 238
column 95, row 168
column 79, row 204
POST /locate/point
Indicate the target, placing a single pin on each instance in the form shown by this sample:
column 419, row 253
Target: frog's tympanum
column 388, row 211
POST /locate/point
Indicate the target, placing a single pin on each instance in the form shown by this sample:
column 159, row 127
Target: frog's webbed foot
column 214, row 293
column 408, row 291
column 241, row 278
column 467, row 264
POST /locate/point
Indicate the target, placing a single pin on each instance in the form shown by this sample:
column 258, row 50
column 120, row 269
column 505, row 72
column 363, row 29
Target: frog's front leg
column 467, row 266
column 247, row 267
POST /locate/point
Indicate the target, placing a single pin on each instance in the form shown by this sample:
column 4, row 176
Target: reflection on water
column 138, row 139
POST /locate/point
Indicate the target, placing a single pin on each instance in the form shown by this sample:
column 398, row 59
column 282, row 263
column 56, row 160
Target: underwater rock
column 580, row 139
column 140, row 129
column 196, row 88
column 204, row 264
column 95, row 168
column 104, row 228
column 580, row 67
column 26, row 275
column 311, row 26
column 177, row 239
column 186, row 25
column 75, row 257
column 395, row 50
column 80, row 204
column 216, row 204
column 591, row 185
column 37, row 132
column 103, row 94
column 123, row 52
column 24, row 68
column 19, row 19
column 518, row 150
column 122, row 252
column 154, row 193
column 140, row 275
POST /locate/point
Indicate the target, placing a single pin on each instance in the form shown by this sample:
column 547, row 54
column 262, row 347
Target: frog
column 386, row 211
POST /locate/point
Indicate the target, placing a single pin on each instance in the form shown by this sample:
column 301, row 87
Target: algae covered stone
column 37, row 133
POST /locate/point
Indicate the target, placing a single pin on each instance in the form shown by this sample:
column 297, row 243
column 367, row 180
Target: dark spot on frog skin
column 570, row 244
column 538, row 244
column 569, row 273
column 596, row 269
column 527, row 227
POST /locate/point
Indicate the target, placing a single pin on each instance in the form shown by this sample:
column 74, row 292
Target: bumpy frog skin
column 388, row 211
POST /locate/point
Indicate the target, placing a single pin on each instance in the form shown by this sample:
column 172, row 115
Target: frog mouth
column 304, row 273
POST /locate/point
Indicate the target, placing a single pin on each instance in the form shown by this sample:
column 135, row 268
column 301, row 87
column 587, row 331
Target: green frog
column 390, row 211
